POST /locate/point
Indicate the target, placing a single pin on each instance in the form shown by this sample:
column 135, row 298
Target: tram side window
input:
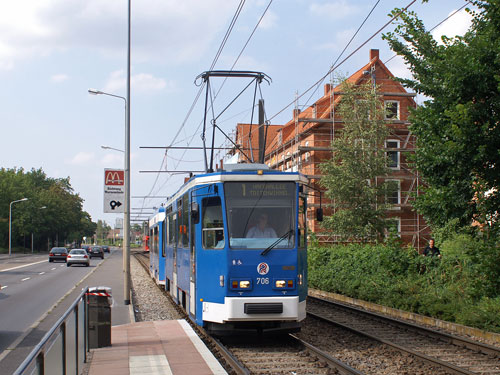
column 185, row 220
column 155, row 240
column 302, row 222
column 151, row 236
column 171, row 230
column 180, row 228
column 213, row 226
column 164, row 237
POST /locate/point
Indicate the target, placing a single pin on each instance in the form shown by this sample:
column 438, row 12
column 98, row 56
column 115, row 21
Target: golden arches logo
column 114, row 177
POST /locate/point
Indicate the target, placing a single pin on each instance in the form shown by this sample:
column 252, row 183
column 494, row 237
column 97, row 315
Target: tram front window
column 260, row 213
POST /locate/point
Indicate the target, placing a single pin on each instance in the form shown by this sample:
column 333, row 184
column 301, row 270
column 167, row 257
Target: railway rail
column 249, row 355
column 453, row 354
column 406, row 348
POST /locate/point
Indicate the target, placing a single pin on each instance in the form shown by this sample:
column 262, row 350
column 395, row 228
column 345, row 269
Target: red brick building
column 304, row 142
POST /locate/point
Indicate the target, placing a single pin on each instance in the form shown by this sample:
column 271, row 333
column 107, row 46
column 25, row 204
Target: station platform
column 159, row 347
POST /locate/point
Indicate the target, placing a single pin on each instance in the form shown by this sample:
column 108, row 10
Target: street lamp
column 126, row 208
column 10, row 222
column 41, row 208
column 111, row 148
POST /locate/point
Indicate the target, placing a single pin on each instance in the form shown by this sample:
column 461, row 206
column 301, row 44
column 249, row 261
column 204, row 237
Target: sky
column 53, row 51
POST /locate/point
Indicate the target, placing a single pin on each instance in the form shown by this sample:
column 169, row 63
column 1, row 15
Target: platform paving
column 160, row 347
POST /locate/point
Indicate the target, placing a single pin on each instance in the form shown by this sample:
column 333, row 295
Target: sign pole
column 126, row 216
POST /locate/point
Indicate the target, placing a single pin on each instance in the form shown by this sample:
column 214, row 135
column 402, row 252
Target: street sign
column 114, row 190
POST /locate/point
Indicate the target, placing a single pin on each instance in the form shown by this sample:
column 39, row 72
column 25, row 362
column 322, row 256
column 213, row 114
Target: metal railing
column 63, row 350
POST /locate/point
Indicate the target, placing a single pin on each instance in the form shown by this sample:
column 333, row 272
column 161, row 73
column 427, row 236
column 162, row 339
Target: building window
column 393, row 226
column 391, row 110
column 393, row 158
column 393, row 193
column 280, row 138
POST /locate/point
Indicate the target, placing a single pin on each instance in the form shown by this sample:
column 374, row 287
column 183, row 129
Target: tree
column 358, row 158
column 102, row 230
column 62, row 217
column 458, row 128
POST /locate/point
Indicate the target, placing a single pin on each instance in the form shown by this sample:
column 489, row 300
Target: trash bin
column 99, row 305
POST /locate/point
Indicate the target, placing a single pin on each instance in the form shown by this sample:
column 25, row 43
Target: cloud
column 458, row 24
column 82, row 158
column 340, row 9
column 269, row 21
column 113, row 159
column 162, row 30
column 341, row 39
column 141, row 82
column 58, row 78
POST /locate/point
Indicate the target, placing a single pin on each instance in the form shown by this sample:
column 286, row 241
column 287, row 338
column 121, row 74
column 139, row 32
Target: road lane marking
column 26, row 265
column 52, row 269
column 41, row 273
column 3, row 287
column 26, row 278
column 34, row 325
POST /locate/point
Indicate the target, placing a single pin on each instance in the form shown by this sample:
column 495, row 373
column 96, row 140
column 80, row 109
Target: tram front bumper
column 255, row 309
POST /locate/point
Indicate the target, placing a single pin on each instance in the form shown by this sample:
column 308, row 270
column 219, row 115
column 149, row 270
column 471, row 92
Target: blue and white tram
column 236, row 249
column 157, row 246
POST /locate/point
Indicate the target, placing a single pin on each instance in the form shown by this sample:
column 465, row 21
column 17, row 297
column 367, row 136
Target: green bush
column 463, row 286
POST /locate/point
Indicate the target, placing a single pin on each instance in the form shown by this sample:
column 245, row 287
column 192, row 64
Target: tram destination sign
column 266, row 190
column 114, row 190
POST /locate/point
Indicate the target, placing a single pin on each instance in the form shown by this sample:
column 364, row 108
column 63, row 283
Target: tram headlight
column 239, row 284
column 280, row 283
column 245, row 284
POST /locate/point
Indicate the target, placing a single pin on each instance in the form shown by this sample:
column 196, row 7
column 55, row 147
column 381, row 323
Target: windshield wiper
column 273, row 245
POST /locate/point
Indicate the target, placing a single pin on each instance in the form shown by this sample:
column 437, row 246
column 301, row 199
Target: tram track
column 452, row 354
column 264, row 354
column 338, row 339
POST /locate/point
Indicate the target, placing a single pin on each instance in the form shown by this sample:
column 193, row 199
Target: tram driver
column 262, row 230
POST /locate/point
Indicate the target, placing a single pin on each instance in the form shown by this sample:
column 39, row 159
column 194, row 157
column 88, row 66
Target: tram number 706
column 263, row 280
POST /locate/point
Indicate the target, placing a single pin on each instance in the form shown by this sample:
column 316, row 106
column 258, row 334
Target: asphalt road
column 29, row 288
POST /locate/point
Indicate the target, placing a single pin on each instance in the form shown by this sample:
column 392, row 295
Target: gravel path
column 149, row 302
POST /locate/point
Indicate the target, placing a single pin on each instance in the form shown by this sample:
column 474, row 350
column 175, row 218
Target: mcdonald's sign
column 114, row 177
column 114, row 190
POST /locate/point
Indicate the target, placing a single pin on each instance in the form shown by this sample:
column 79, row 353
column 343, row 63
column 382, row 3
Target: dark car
column 58, row 253
column 105, row 248
column 96, row 251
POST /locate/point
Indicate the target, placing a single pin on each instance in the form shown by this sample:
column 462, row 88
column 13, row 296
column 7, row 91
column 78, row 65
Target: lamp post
column 126, row 208
column 41, row 208
column 10, row 222
column 111, row 148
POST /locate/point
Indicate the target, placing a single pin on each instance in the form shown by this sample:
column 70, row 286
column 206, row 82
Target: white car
column 78, row 256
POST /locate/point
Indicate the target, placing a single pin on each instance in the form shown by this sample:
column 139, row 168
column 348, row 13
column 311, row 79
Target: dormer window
column 391, row 109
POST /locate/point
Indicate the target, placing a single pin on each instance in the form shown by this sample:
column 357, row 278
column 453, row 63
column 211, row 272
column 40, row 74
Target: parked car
column 105, row 248
column 78, row 256
column 96, row 251
column 58, row 253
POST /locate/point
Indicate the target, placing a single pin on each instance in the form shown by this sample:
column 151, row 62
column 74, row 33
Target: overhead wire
column 232, row 67
column 216, row 58
column 345, row 48
column 437, row 25
column 345, row 59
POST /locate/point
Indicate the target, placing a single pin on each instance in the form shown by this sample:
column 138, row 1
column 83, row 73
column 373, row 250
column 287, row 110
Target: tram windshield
column 260, row 213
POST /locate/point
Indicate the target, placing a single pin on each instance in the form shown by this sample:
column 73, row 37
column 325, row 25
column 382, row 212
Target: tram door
column 211, row 274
